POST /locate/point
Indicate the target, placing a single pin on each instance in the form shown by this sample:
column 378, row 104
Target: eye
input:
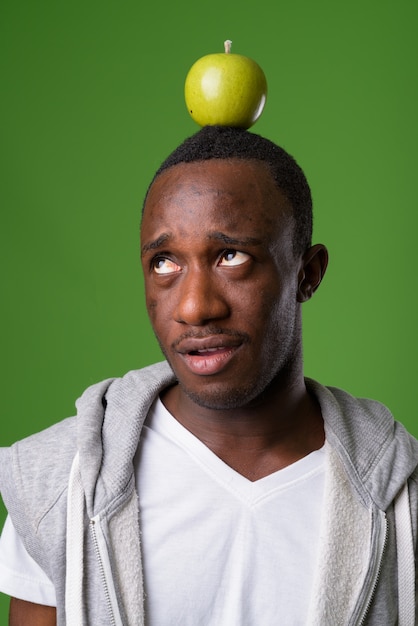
column 162, row 265
column 230, row 258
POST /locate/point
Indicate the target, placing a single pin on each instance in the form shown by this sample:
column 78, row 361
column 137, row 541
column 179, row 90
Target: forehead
column 235, row 191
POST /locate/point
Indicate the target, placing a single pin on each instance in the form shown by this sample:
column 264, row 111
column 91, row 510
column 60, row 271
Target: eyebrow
column 233, row 241
column 215, row 235
column 157, row 243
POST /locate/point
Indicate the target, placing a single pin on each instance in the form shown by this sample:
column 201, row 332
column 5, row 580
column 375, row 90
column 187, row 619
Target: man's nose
column 201, row 299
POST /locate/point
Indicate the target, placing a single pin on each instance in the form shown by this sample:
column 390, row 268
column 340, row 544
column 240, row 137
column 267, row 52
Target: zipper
column 377, row 570
column 105, row 573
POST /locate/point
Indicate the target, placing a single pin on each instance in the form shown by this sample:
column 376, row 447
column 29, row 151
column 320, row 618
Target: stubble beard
column 258, row 387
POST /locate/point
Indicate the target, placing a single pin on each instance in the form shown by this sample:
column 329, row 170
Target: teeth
column 207, row 350
column 204, row 351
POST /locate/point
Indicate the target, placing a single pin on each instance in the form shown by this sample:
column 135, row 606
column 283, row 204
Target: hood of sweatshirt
column 110, row 416
column 377, row 452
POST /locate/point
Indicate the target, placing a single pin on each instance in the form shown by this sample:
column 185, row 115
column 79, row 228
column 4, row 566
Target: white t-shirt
column 218, row 549
column 20, row 576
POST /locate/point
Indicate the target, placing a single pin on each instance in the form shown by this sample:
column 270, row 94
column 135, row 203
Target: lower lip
column 209, row 363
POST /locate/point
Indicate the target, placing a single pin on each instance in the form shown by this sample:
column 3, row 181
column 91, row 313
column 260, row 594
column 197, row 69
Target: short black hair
column 224, row 142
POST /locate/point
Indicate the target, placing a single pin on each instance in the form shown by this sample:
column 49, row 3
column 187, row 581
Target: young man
column 219, row 487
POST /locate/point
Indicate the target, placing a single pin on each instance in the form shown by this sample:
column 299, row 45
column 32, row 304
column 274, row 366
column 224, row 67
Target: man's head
column 219, row 142
column 223, row 278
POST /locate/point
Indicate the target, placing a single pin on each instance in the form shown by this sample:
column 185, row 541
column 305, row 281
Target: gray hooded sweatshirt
column 70, row 491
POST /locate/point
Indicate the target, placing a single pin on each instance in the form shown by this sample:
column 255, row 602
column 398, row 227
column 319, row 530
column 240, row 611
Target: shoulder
column 33, row 483
column 361, row 421
column 356, row 421
column 34, row 471
column 377, row 451
column 338, row 403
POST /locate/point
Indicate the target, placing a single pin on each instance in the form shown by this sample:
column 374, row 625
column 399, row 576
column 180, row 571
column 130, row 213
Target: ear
column 314, row 265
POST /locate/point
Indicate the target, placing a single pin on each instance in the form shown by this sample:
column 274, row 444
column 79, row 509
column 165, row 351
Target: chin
column 224, row 399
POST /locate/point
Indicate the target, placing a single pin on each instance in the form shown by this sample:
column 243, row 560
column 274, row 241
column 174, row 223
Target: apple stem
column 227, row 44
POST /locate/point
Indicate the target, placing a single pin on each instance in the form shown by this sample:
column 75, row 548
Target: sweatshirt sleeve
column 33, row 484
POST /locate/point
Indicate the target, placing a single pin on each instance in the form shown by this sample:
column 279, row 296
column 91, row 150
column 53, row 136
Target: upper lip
column 195, row 344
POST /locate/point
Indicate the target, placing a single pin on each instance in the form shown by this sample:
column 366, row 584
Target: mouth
column 209, row 355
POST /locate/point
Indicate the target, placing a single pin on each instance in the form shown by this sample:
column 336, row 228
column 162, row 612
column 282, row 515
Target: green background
column 92, row 101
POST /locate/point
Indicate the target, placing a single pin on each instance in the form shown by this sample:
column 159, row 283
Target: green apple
column 226, row 89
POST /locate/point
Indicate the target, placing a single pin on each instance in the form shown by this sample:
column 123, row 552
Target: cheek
column 150, row 300
column 273, row 303
column 158, row 307
column 151, row 307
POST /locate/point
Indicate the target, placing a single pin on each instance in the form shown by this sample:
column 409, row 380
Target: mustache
column 210, row 331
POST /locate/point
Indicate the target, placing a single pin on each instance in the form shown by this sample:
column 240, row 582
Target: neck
column 276, row 429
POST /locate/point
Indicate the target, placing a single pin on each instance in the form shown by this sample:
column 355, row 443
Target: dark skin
column 29, row 614
column 224, row 288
